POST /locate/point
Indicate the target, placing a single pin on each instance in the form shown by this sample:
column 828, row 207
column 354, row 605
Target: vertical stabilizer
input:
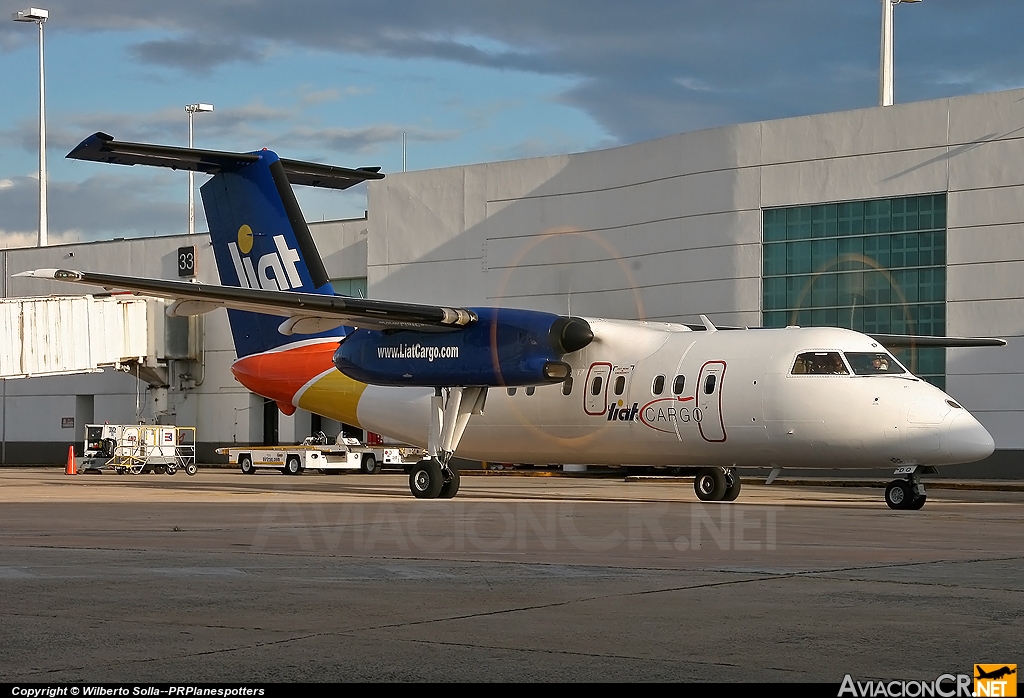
column 260, row 240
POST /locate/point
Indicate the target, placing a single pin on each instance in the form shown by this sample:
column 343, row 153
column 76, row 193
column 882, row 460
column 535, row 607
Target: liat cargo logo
column 995, row 680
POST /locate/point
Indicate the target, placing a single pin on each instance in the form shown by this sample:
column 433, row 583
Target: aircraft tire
column 918, row 503
column 899, row 494
column 292, row 466
column 450, row 487
column 370, row 466
column 245, row 465
column 732, row 491
column 710, row 485
column 425, row 479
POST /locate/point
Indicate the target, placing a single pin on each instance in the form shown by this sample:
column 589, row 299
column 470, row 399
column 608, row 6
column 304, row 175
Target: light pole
column 886, row 89
column 191, row 109
column 39, row 16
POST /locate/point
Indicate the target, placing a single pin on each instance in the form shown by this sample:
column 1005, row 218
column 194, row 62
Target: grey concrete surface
column 224, row 577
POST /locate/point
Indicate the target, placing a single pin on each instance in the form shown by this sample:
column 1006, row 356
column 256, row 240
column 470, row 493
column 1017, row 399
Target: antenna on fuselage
column 708, row 325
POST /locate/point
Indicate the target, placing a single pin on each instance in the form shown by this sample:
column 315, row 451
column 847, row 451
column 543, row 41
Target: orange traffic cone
column 71, row 468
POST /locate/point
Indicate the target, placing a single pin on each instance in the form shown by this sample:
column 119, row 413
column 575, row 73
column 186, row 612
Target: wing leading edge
column 360, row 312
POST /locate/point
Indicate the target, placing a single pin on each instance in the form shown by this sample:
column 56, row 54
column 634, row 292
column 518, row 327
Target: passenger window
column 678, row 384
column 511, row 391
column 567, row 386
column 659, row 385
column 620, row 385
column 709, row 384
column 595, row 387
column 820, row 363
column 530, row 390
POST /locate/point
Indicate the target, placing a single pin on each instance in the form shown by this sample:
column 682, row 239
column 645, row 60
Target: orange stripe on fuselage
column 281, row 375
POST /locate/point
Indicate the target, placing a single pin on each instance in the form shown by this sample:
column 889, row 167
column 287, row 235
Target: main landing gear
column 449, row 415
column 717, row 484
column 907, row 493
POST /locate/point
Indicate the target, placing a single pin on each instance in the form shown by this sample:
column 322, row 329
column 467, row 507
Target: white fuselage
column 740, row 403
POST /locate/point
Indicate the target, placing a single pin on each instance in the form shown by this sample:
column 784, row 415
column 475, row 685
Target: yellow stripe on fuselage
column 334, row 395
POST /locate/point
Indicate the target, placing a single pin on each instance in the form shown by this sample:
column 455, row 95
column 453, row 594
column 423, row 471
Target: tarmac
column 230, row 578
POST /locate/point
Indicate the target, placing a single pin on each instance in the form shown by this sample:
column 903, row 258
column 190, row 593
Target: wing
column 309, row 307
column 909, row 340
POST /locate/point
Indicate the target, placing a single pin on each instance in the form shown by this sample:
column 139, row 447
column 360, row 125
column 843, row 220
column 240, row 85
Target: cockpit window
column 874, row 363
column 827, row 363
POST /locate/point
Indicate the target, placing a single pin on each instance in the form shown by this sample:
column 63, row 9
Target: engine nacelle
column 503, row 347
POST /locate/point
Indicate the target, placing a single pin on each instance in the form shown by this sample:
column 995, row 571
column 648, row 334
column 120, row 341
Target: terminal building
column 901, row 219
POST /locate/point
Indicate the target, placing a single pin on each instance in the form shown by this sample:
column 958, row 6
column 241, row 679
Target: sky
column 340, row 82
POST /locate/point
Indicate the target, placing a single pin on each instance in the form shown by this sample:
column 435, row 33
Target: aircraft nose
column 967, row 440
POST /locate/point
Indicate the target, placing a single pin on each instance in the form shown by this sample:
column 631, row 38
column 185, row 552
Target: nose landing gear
column 907, row 493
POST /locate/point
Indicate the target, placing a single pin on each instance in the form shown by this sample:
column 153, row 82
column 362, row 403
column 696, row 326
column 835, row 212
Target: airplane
column 518, row 385
column 996, row 674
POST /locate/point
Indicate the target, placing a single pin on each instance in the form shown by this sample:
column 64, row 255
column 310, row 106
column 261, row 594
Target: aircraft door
column 709, row 401
column 595, row 396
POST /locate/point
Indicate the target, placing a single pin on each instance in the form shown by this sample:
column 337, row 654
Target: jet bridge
column 59, row 335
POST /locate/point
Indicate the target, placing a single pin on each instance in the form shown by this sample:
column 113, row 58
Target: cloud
column 194, row 54
column 367, row 139
column 101, row 207
column 643, row 69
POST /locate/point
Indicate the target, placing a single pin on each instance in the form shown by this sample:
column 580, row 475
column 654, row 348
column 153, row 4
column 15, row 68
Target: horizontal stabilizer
column 360, row 312
column 101, row 147
column 909, row 340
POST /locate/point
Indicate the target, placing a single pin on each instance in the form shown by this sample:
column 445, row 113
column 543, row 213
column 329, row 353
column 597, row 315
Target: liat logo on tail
column 274, row 271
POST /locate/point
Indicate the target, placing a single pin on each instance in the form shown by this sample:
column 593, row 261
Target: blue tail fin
column 260, row 240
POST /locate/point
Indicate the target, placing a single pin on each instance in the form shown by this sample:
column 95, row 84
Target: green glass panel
column 931, row 284
column 877, row 216
column 799, row 261
column 774, row 293
column 903, row 250
column 823, row 254
column 775, row 319
column 876, row 249
column 775, row 259
column 905, row 214
column 774, row 224
column 798, row 223
column 850, row 252
column 876, row 288
column 876, row 319
column 823, row 221
column 932, row 249
column 823, row 291
column 931, row 360
column 850, row 289
column 901, row 320
column 798, row 291
column 823, row 317
column 850, row 218
column 931, row 319
column 904, row 285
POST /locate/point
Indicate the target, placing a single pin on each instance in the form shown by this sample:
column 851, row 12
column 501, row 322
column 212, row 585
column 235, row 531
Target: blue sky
column 339, row 82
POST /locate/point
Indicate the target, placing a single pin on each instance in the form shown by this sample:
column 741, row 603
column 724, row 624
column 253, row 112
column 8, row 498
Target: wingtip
column 38, row 273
